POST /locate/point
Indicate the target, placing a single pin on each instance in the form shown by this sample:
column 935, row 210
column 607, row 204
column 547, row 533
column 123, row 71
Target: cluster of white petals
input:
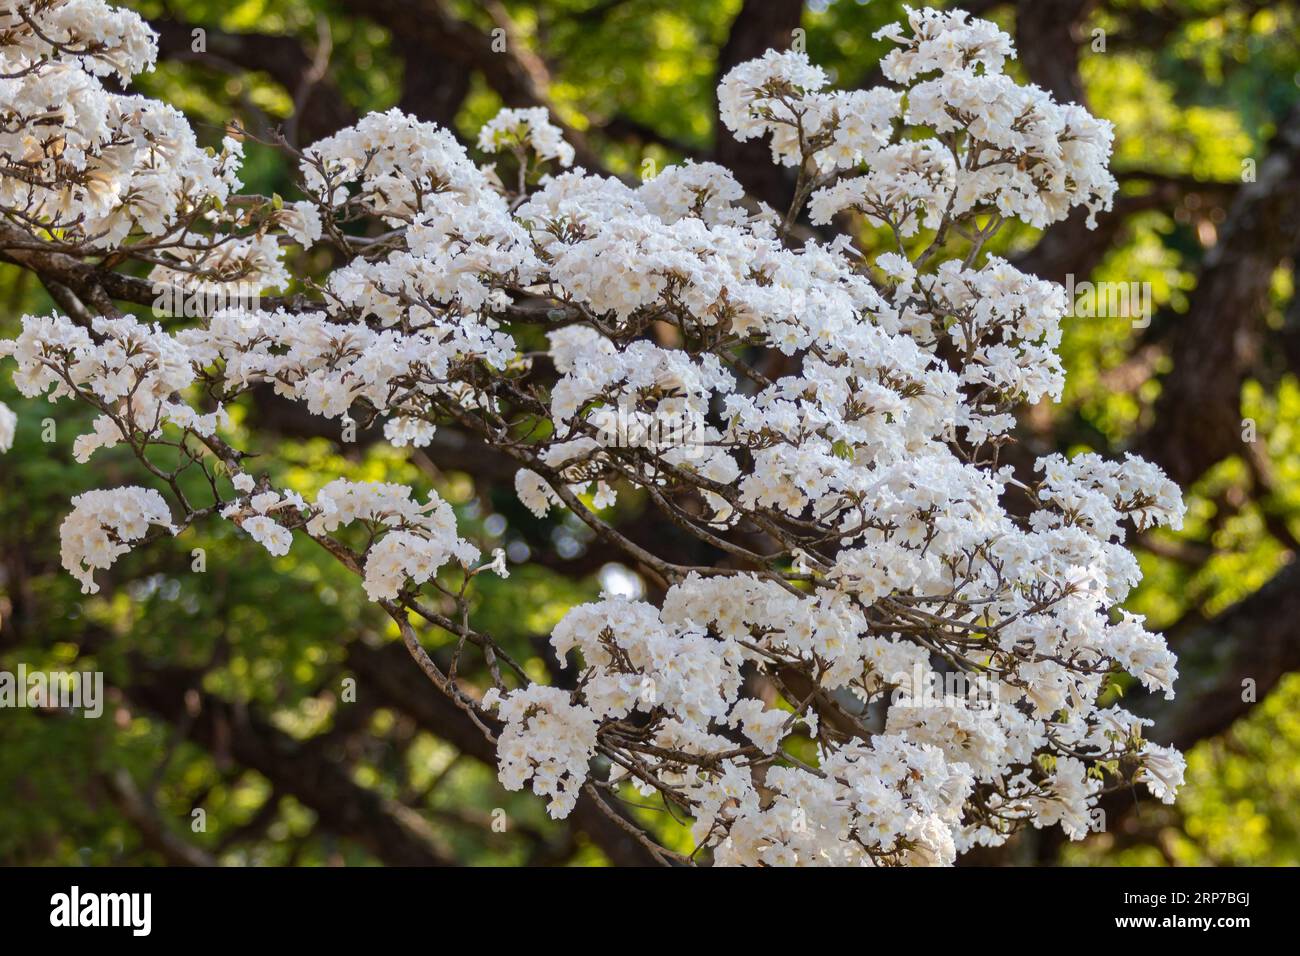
column 999, row 144
column 547, row 740
column 526, row 129
column 412, row 540
column 126, row 369
column 102, row 525
column 417, row 539
column 782, row 94
column 94, row 163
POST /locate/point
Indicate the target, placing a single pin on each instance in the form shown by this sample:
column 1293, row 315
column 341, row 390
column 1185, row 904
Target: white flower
column 301, row 220
column 101, row 526
column 275, row 538
column 8, row 424
column 546, row 739
column 533, row 491
column 416, row 539
column 526, row 127
column 765, row 728
column 1162, row 771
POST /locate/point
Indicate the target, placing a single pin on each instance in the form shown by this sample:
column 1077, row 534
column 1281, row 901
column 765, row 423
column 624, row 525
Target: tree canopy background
column 231, row 691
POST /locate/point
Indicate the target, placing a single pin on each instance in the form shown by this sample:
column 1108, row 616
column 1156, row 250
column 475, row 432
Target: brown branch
column 1198, row 416
column 305, row 769
column 1257, row 638
column 1048, row 36
column 759, row 26
column 387, row 671
column 143, row 815
column 322, row 111
column 429, row 31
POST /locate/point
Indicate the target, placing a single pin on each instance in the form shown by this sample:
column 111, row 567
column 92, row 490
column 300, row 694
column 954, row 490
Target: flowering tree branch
column 829, row 428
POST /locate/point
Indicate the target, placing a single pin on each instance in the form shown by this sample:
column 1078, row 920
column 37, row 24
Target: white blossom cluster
column 528, row 129
column 98, row 168
column 1017, row 150
column 97, row 162
column 848, row 471
column 101, row 526
column 126, row 369
column 412, row 541
column 8, row 426
column 547, row 740
column 782, row 94
column 391, row 165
